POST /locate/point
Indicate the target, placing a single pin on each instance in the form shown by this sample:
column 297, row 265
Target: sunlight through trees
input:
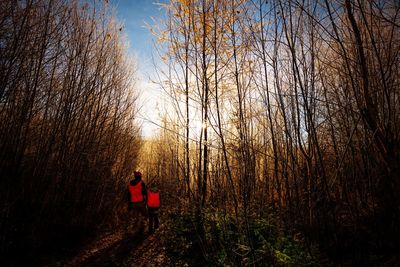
column 300, row 106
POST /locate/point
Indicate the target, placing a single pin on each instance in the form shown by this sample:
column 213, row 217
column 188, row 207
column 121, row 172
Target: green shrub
column 226, row 242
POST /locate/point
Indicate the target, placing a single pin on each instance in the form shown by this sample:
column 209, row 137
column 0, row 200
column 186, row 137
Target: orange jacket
column 136, row 192
column 153, row 199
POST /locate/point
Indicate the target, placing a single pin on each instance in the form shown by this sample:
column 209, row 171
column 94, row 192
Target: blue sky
column 134, row 14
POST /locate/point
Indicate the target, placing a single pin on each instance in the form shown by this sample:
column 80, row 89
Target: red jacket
column 153, row 199
column 136, row 195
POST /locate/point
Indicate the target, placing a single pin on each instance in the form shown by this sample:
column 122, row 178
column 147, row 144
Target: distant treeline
column 68, row 141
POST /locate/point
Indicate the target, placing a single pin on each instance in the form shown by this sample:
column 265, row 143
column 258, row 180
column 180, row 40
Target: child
column 153, row 204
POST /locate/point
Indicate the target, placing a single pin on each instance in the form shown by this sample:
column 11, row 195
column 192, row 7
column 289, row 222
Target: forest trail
column 120, row 249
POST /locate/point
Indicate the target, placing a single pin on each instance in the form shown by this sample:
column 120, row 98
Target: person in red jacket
column 153, row 205
column 137, row 197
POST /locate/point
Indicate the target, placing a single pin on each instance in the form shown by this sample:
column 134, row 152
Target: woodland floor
column 121, row 249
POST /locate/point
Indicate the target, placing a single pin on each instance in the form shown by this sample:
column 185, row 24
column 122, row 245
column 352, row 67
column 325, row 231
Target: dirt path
column 119, row 249
column 151, row 252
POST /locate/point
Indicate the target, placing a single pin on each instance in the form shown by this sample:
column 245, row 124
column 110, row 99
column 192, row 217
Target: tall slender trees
column 304, row 95
column 67, row 108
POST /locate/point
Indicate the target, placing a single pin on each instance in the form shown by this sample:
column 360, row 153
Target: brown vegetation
column 279, row 146
column 299, row 106
column 68, row 141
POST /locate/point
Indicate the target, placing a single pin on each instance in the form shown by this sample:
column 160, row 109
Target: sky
column 134, row 14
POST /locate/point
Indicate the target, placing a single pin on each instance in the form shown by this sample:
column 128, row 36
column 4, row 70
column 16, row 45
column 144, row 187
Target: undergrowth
column 217, row 239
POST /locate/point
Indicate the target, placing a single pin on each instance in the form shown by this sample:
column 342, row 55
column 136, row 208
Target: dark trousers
column 137, row 214
column 153, row 219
